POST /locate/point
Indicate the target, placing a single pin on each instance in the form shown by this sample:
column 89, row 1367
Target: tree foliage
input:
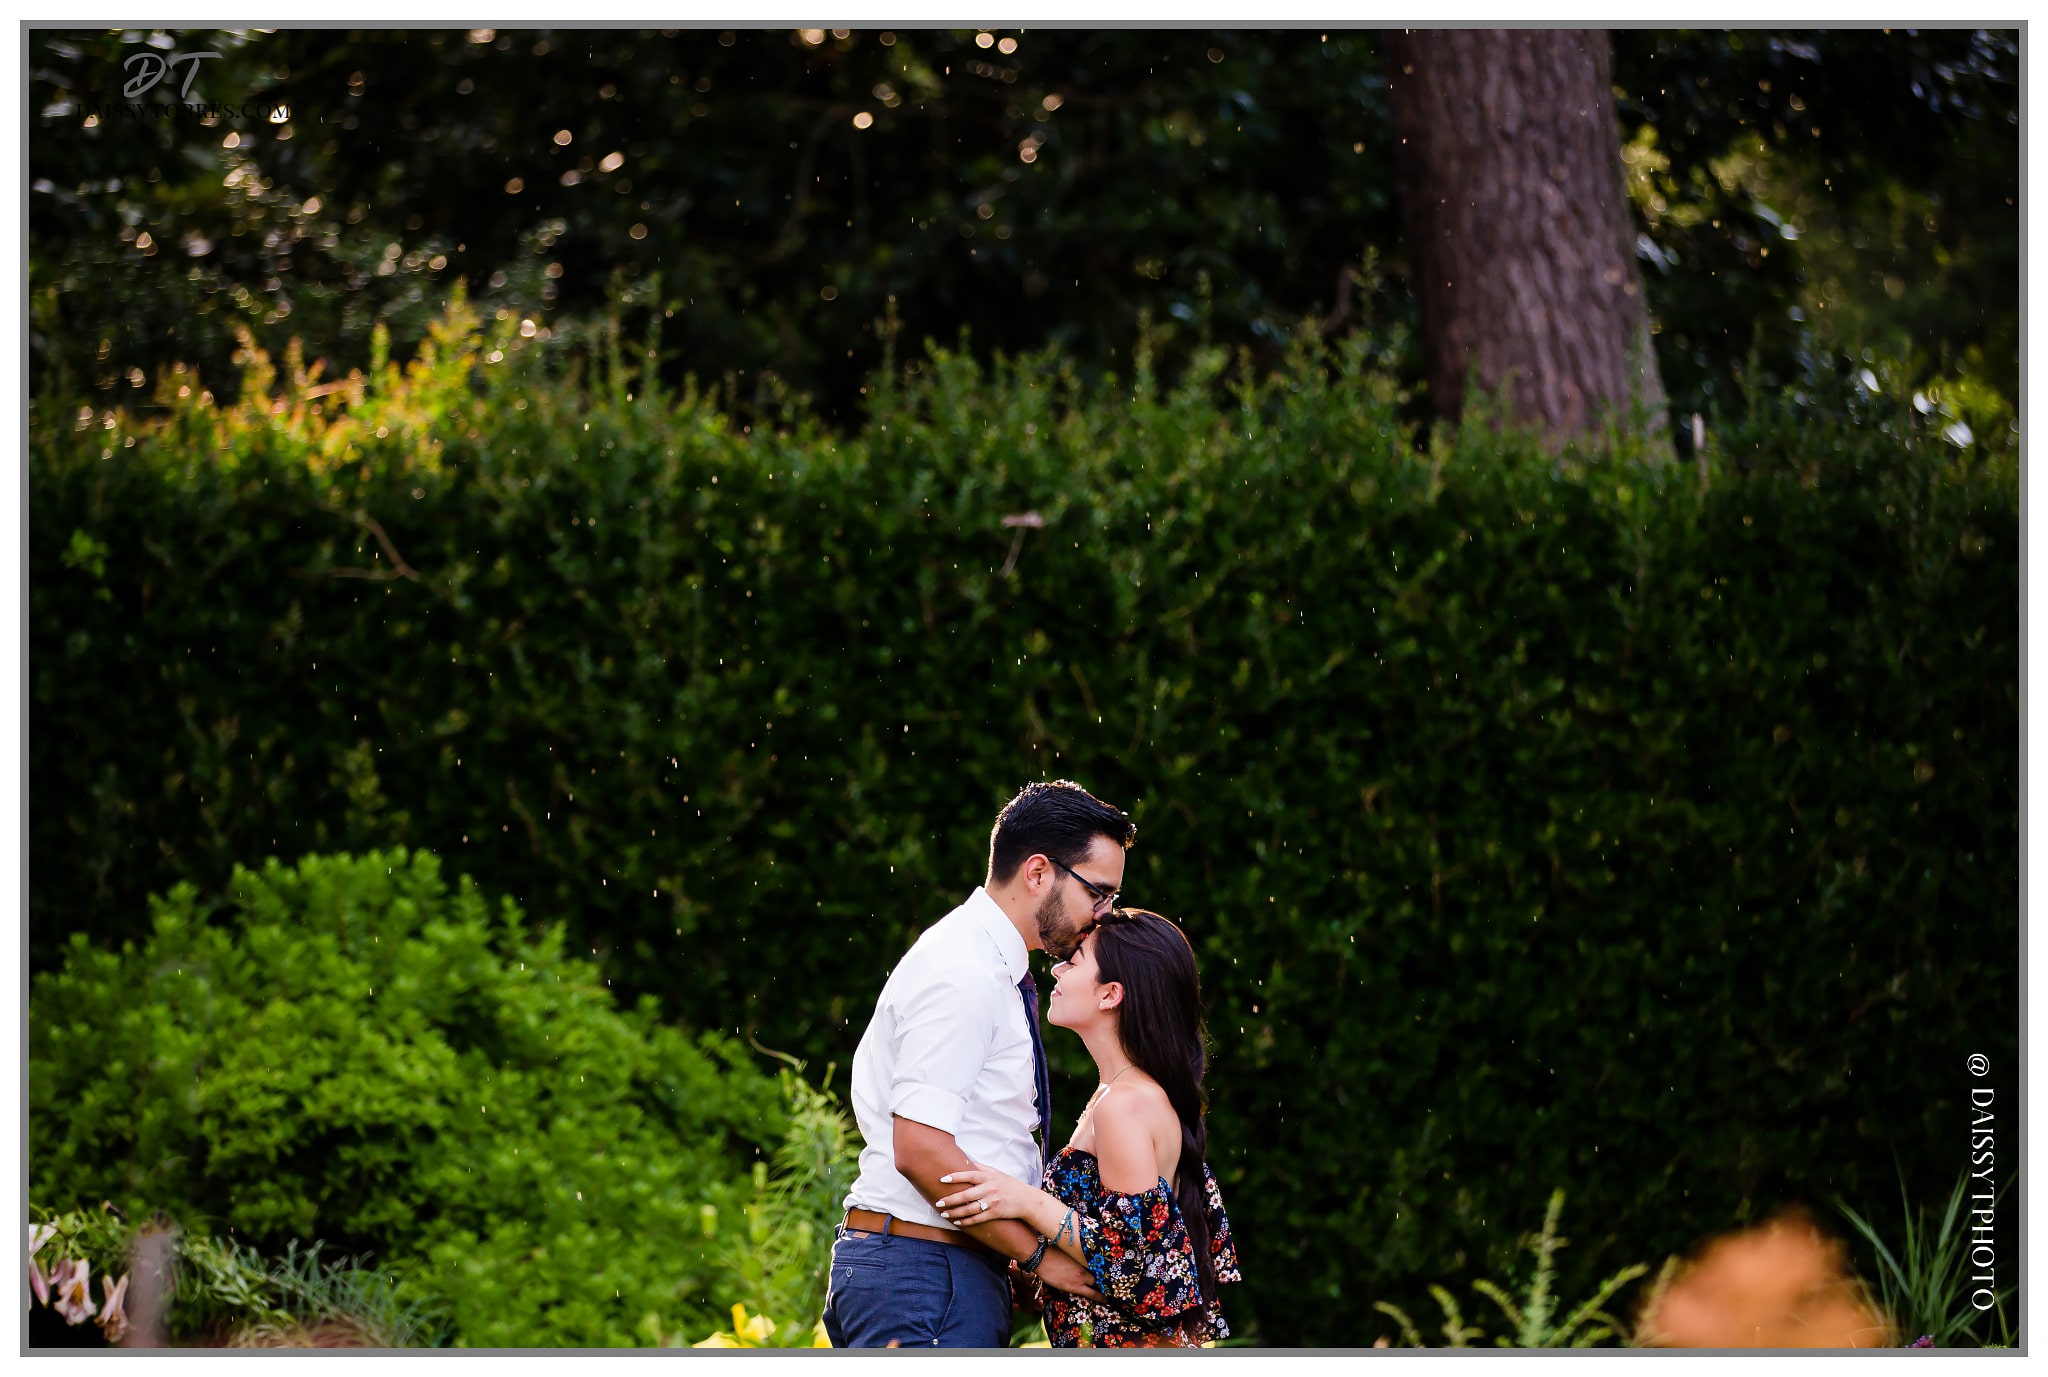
column 1224, row 185
column 1858, row 188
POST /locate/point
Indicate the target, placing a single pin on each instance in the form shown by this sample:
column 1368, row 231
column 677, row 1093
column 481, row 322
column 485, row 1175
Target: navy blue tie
column 1029, row 991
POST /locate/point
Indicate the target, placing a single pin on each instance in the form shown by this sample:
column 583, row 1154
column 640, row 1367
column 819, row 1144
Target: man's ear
column 1036, row 868
column 1112, row 994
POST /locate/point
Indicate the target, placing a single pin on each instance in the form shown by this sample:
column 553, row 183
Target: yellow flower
column 746, row 1333
column 760, row 1329
column 819, row 1338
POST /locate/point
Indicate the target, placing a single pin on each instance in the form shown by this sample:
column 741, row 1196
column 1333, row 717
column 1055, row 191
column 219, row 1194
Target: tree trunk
column 1521, row 248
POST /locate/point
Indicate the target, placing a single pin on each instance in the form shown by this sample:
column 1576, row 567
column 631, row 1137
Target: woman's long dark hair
column 1159, row 1024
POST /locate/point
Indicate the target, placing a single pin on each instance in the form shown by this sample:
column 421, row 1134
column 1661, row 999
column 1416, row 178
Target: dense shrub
column 1540, row 821
column 359, row 1056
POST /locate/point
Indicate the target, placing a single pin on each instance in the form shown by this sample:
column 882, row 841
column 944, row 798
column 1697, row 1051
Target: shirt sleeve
column 945, row 1023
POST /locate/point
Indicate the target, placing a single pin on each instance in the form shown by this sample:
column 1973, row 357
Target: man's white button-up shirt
column 948, row 1046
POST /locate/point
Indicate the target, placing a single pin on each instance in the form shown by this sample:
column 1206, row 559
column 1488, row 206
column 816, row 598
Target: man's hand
column 1024, row 1294
column 1058, row 1270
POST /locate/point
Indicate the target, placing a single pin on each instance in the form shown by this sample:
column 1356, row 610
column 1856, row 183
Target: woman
column 1130, row 1195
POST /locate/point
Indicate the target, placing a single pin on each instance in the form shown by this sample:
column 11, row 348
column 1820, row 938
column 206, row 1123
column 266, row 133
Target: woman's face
column 1077, row 992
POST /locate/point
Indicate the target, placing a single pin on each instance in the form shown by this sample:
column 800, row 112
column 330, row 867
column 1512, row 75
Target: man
column 951, row 1070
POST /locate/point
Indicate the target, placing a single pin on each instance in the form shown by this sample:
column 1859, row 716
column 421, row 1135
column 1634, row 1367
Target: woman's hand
column 988, row 1194
column 981, row 1194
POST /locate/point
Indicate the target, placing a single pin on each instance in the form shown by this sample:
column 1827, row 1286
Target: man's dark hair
column 1056, row 818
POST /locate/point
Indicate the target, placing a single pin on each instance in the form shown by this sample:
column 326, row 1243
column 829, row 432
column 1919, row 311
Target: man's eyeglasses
column 1097, row 892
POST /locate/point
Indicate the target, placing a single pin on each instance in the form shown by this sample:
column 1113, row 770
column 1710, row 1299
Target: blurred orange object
column 1780, row 1285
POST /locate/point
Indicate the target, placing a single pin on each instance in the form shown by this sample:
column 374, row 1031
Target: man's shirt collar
column 989, row 916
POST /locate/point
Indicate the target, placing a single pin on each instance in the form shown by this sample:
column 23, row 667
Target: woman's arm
column 1141, row 1255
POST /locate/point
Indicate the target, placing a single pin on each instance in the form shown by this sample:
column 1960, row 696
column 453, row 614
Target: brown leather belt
column 872, row 1222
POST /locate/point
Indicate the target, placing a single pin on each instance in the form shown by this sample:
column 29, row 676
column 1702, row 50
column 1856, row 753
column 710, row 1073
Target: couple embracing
column 962, row 1201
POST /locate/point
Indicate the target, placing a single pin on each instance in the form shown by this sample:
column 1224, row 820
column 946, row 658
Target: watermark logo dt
column 150, row 69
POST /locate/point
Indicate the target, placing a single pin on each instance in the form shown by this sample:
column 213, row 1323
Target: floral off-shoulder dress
column 1143, row 1260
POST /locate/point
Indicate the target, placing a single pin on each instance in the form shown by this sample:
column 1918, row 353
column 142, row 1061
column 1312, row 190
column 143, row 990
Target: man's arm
column 924, row 1154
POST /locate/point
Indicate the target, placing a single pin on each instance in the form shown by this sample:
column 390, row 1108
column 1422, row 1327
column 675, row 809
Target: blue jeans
column 919, row 1293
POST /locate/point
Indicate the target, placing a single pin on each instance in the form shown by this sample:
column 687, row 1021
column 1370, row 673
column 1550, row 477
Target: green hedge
column 1541, row 821
column 361, row 1057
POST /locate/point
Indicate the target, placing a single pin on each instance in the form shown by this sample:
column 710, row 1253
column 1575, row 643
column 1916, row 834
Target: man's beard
column 1056, row 933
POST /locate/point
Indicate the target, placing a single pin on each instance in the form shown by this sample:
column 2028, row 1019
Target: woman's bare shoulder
column 1130, row 1123
column 1134, row 1100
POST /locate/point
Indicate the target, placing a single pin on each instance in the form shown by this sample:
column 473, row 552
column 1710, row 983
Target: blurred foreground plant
column 218, row 1291
column 1782, row 1284
column 1926, row 1286
column 1530, row 1317
column 1030, row 1333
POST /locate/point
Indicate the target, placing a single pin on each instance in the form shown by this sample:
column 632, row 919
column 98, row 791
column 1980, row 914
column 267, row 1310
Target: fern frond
column 1455, row 1329
column 1590, row 1309
column 1647, row 1308
column 1536, row 1307
column 1410, row 1335
column 1501, row 1299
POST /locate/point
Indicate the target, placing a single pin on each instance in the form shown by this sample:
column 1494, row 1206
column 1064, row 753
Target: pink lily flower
column 114, row 1319
column 38, row 1235
column 72, row 1280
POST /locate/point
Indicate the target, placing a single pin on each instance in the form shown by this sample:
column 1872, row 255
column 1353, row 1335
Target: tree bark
column 1521, row 247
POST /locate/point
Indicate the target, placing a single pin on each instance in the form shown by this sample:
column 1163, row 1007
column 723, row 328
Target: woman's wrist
column 1057, row 1224
column 1043, row 1212
column 1066, row 1236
